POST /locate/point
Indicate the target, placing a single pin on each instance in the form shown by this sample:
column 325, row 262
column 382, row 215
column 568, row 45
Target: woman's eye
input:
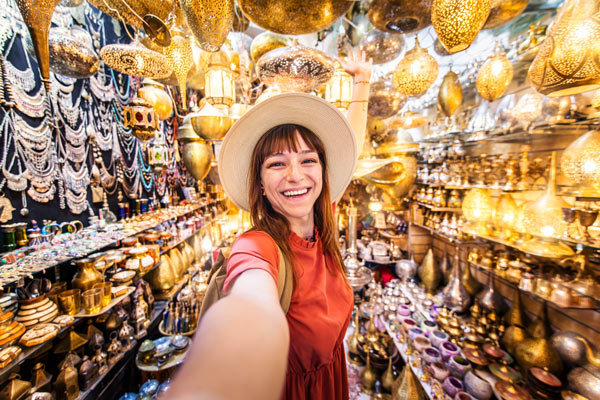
column 275, row 164
column 311, row 160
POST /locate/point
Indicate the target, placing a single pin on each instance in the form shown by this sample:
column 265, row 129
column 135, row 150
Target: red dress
column 318, row 317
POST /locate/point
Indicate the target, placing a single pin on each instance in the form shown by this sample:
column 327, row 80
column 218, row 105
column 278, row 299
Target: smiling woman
column 285, row 161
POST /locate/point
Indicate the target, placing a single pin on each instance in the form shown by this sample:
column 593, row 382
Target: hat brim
column 307, row 110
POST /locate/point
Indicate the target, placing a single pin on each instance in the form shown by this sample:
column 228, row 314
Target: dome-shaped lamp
column 416, row 72
column 494, row 76
column 154, row 93
column 180, row 58
column 580, row 163
column 477, row 208
column 457, row 22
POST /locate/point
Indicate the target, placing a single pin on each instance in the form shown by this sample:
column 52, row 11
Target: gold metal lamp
column 457, row 22
column 338, row 91
column 450, row 95
column 494, row 76
column 180, row 58
column 477, row 207
column 219, row 81
column 416, row 72
column 580, row 163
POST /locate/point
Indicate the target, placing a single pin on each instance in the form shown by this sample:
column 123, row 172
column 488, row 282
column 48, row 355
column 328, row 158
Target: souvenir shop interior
column 469, row 232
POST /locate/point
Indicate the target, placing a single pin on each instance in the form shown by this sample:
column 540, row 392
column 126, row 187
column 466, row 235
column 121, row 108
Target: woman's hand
column 357, row 65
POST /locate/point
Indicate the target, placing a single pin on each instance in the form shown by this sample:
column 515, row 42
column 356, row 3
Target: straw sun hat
column 310, row 111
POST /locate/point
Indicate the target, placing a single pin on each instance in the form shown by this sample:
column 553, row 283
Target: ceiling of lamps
column 494, row 76
column 567, row 62
column 457, row 22
column 416, row 72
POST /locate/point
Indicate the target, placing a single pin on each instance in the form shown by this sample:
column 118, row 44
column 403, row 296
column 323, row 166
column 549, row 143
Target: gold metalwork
column 505, row 214
column 162, row 278
column 179, row 57
column 457, row 22
column 154, row 93
column 197, row 157
column 567, row 62
column 209, row 20
column 86, row 276
column 210, row 123
column 142, row 118
column 408, row 120
column 240, row 22
column 477, row 206
column 295, row 68
column 406, row 386
column 294, row 17
column 37, row 15
column 135, row 59
column 494, row 76
column 382, row 46
column 504, row 11
column 580, row 163
column 128, row 11
column 450, row 95
column 416, row 72
column 265, row 42
column 470, row 283
column 72, row 53
column 429, row 272
column 384, row 100
column 219, row 83
column 338, row 91
column 402, row 16
column 515, row 333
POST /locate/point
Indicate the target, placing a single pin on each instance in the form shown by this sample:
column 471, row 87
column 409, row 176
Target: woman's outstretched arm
column 241, row 347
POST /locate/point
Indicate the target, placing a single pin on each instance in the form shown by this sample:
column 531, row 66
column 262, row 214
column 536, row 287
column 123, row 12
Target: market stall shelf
column 113, row 302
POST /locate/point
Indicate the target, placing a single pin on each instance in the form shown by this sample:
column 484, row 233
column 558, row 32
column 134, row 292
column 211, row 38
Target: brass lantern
column 401, row 16
column 457, row 22
column 477, row 208
column 137, row 60
column 210, row 123
column 338, row 91
column 141, row 117
column 580, row 163
column 154, row 93
column 567, row 62
column 384, row 100
column 450, row 95
column 494, row 76
column 504, row 11
column 219, row 82
column 180, row 58
column 416, row 72
column 209, row 20
column 382, row 46
column 197, row 157
column 294, row 17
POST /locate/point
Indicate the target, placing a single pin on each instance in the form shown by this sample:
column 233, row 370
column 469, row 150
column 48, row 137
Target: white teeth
column 295, row 192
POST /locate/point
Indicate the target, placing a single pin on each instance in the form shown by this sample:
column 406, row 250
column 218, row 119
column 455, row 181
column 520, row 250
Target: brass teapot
column 87, row 274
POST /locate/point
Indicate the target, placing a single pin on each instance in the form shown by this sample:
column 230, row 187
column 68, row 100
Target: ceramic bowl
column 458, row 366
column 438, row 337
column 449, row 349
column 452, row 386
column 477, row 386
column 431, row 355
column 439, row 371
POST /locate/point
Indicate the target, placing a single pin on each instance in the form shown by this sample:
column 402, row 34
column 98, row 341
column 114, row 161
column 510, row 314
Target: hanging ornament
column 129, row 12
column 384, row 100
column 416, row 72
column 338, row 91
column 494, row 76
column 504, row 11
column 240, row 22
column 209, row 20
column 154, row 93
column 567, row 62
column 400, row 16
column 219, row 81
column 158, row 153
column 136, row 60
column 72, row 53
column 37, row 15
column 457, row 22
column 197, row 157
column 450, row 95
column 294, row 17
column 381, row 46
column 180, row 59
column 141, row 117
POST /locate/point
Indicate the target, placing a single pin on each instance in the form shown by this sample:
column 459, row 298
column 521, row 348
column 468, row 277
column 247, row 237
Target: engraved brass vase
column 86, row 276
column 162, row 278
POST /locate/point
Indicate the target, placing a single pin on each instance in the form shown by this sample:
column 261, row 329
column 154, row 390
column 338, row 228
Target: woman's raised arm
column 241, row 347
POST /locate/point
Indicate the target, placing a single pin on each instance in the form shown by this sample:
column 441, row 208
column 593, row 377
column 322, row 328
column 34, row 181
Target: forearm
column 357, row 112
column 239, row 352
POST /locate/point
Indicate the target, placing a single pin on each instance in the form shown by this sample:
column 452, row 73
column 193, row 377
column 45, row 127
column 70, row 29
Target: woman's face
column 292, row 182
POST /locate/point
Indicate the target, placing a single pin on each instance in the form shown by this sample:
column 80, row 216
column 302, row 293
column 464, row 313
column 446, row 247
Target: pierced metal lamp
column 494, row 76
column 457, row 22
column 416, row 72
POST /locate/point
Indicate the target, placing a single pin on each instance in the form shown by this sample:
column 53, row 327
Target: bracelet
column 359, row 82
column 359, row 101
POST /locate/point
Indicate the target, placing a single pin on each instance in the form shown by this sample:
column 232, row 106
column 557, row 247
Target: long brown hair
column 266, row 219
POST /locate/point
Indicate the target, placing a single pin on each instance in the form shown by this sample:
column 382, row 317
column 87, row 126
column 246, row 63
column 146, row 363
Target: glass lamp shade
column 338, row 91
column 543, row 217
column 567, row 62
column 180, row 58
column 580, row 163
column 416, row 72
column 154, row 93
column 478, row 206
column 219, row 81
column 494, row 76
column 457, row 22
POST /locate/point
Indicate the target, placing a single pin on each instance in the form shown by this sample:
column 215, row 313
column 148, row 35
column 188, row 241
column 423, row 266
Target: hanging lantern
column 450, row 95
column 567, row 62
column 219, row 82
column 400, row 16
column 72, row 53
column 210, row 123
column 338, row 91
column 141, row 117
column 381, row 46
column 136, row 60
column 209, row 20
column 416, row 72
column 179, row 56
column 154, row 93
column 197, row 157
column 580, row 163
column 384, row 100
column 494, row 76
column 158, row 152
column 504, row 11
column 294, row 17
column 37, row 15
column 457, row 22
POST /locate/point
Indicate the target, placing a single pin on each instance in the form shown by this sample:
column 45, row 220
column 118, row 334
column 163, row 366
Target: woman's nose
column 294, row 171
